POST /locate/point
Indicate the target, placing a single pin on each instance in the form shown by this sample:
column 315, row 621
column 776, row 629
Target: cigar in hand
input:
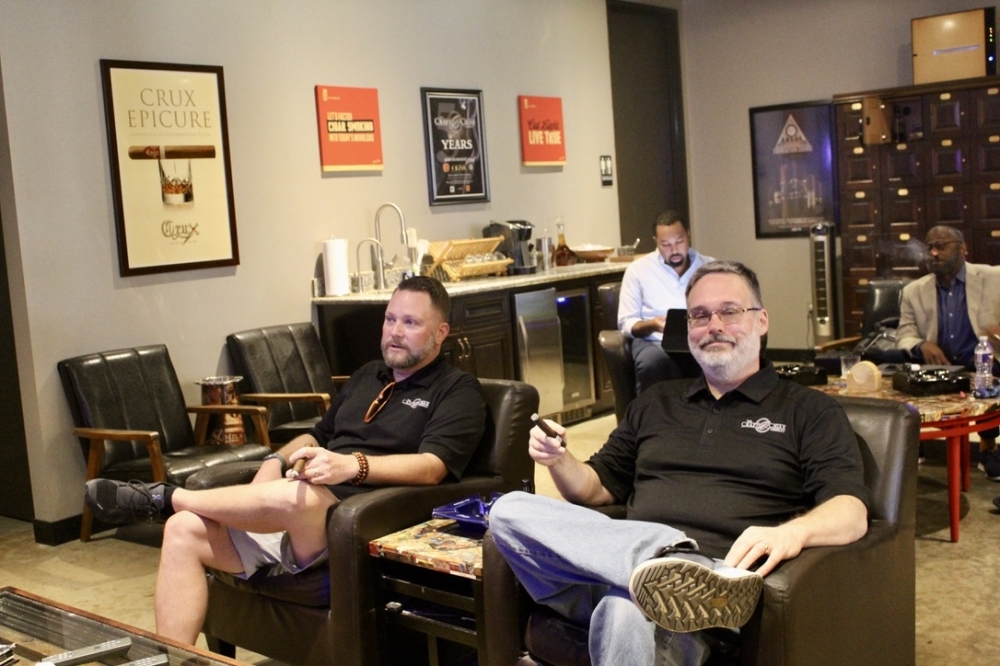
column 298, row 467
column 547, row 429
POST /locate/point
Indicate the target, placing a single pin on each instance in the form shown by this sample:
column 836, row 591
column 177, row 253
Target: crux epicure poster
column 455, row 138
column 170, row 170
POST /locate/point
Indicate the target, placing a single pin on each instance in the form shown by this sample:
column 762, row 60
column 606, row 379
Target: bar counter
column 478, row 285
column 483, row 337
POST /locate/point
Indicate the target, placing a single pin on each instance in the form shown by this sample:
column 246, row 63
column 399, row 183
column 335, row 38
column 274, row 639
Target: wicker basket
column 449, row 259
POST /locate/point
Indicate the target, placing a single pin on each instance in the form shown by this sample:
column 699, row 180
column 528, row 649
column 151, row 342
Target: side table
column 430, row 580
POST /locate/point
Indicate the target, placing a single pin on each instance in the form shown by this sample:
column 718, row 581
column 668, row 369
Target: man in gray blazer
column 944, row 313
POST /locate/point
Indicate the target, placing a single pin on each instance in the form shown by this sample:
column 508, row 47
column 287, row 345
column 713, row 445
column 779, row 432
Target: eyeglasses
column 379, row 402
column 938, row 246
column 728, row 315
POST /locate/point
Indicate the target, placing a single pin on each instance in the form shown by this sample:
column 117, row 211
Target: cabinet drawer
column 482, row 310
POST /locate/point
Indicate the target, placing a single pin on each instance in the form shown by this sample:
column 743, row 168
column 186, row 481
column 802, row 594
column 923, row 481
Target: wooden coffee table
column 42, row 628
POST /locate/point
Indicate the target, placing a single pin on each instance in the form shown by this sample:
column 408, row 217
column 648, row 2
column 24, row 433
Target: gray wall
column 55, row 196
column 57, row 210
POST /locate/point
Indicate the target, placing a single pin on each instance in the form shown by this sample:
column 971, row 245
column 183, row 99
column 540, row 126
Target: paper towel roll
column 335, row 271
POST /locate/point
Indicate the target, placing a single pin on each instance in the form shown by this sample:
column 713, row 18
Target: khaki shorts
column 274, row 550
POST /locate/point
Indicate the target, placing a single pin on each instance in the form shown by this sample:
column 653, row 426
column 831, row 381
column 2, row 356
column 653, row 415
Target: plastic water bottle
column 983, row 357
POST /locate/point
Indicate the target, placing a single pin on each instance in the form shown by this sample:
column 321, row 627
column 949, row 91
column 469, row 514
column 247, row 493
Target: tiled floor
column 957, row 583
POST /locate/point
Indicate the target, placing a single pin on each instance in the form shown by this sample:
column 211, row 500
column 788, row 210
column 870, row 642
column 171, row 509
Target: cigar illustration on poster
column 455, row 141
column 793, row 170
column 170, row 170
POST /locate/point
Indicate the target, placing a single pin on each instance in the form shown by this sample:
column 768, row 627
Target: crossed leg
column 197, row 537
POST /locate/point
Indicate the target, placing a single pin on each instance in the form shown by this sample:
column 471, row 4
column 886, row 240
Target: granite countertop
column 485, row 284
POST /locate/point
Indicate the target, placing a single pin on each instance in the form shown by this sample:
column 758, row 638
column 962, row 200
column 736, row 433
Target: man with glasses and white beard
column 724, row 477
column 410, row 419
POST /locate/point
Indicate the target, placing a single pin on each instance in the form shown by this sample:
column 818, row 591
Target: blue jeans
column 578, row 562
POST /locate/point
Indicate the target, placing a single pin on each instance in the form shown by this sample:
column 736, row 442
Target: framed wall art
column 350, row 132
column 455, row 141
column 170, row 170
column 543, row 137
column 793, row 168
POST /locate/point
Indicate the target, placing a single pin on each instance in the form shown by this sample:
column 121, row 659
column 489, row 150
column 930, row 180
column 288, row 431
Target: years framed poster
column 455, row 141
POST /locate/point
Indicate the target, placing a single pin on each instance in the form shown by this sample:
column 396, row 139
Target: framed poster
column 543, row 138
column 793, row 170
column 455, row 141
column 170, row 171
column 350, row 134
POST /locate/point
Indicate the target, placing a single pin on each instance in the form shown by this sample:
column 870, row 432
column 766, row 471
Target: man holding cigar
column 410, row 420
column 734, row 471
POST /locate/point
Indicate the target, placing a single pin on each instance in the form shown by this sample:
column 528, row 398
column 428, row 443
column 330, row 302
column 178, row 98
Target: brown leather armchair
column 328, row 615
column 851, row 604
column 132, row 422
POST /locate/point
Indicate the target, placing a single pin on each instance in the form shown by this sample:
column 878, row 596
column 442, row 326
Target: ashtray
column 471, row 513
column 806, row 375
column 930, row 382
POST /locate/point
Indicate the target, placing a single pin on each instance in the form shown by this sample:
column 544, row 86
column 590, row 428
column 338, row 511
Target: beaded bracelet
column 362, row 469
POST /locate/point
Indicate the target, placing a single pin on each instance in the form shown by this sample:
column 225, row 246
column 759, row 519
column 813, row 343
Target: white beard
column 721, row 365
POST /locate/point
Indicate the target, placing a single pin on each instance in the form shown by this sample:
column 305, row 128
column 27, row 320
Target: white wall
column 738, row 55
column 56, row 196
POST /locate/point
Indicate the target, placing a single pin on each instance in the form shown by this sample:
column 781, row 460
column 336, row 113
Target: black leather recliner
column 878, row 330
column 132, row 422
column 835, row 605
column 328, row 615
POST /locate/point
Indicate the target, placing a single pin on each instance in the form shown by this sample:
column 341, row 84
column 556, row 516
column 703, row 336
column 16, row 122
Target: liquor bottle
column 562, row 255
column 983, row 357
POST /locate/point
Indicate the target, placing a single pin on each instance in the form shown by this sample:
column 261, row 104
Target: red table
column 952, row 417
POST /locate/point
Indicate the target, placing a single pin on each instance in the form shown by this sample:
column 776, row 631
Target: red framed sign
column 543, row 139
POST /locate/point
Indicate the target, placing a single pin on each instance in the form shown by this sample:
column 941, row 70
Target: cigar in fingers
column 297, row 468
column 547, row 429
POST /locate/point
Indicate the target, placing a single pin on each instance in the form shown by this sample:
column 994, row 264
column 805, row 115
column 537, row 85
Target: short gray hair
column 732, row 268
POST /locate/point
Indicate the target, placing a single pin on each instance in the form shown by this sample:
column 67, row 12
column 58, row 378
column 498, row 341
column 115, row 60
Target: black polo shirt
column 763, row 453
column 439, row 409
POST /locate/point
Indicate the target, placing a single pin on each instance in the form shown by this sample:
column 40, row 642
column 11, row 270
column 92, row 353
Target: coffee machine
column 516, row 236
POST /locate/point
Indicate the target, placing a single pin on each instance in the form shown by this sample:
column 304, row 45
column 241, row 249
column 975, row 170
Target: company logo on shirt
column 763, row 425
column 414, row 403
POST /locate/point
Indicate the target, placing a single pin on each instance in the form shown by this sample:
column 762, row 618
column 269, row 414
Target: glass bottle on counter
column 562, row 255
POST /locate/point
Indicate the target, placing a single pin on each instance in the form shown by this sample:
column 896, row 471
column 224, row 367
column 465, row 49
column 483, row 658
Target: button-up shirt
column 955, row 335
column 650, row 287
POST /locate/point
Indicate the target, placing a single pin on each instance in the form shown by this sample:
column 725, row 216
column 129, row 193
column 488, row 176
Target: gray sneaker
column 120, row 502
column 681, row 594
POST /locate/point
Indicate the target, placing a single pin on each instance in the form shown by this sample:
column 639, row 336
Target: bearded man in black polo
column 410, row 420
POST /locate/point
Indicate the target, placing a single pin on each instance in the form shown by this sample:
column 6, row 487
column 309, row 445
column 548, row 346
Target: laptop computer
column 675, row 331
column 675, row 343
